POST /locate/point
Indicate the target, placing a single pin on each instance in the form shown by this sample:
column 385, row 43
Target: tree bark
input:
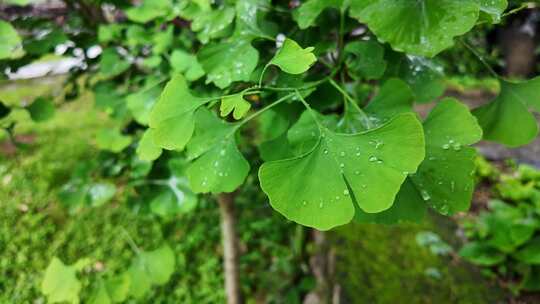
column 230, row 248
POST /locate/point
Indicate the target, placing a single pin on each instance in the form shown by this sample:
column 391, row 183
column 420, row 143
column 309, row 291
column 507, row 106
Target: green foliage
column 292, row 58
column 11, row 42
column 503, row 238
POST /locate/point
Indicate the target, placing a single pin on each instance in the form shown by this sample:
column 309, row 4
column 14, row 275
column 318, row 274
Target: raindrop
column 346, row 192
column 357, row 172
column 304, row 203
column 446, row 146
column 222, row 152
column 321, row 204
column 341, row 153
column 425, row 195
column 337, row 198
column 373, row 159
column 342, row 165
column 325, row 151
column 357, row 153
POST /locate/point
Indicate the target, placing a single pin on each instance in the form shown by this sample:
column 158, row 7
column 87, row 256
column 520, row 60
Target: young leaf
column 141, row 103
column 218, row 165
column 481, row 254
column 112, row 140
column 150, row 268
column 229, row 61
column 147, row 149
column 210, row 24
column 492, row 10
column 507, row 119
column 236, row 103
column 41, row 109
column 172, row 118
column 149, row 10
column 423, row 27
column 313, row 189
column 365, row 59
column 308, row 12
column 292, row 58
column 60, row 283
column 11, row 46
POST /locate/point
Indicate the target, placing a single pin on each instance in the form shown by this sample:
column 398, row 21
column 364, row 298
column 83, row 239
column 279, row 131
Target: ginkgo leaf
column 235, row 103
column 140, row 104
column 507, row 119
column 394, row 97
column 365, row 59
column 11, row 46
column 314, row 189
column 41, row 109
column 227, row 62
column 424, row 76
column 218, row 166
column 147, row 149
column 308, row 12
column 60, row 283
column 210, row 24
column 149, row 10
column 187, row 64
column 493, row 9
column 172, row 117
column 150, row 268
column 176, row 197
column 292, row 58
column 423, row 27
column 444, row 180
column 247, row 17
column 111, row 64
column 112, row 140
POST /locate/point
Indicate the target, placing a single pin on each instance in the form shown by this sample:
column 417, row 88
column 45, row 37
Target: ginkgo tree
column 325, row 89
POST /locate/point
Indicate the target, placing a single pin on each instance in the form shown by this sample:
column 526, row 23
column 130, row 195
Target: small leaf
column 41, row 109
column 530, row 253
column 481, row 254
column 210, row 24
column 423, row 27
column 101, row 193
column 151, row 268
column 147, row 149
column 218, row 165
column 172, row 118
column 141, row 103
column 11, row 46
column 60, row 283
column 293, row 59
column 111, row 64
column 149, row 10
column 187, row 64
column 492, row 10
column 227, row 62
column 235, row 102
column 365, row 60
column 308, row 12
column 112, row 140
column 506, row 119
column 315, row 189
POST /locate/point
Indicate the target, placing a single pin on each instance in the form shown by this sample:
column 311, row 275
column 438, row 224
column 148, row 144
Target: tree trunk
column 230, row 248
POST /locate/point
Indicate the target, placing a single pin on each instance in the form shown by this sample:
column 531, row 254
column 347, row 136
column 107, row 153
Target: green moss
column 383, row 264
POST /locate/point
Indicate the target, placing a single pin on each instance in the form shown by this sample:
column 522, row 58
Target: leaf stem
column 480, row 58
column 130, row 241
column 311, row 111
column 268, row 107
column 353, row 103
column 262, row 74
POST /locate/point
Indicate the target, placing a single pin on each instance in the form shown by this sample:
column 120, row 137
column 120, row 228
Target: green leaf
column 60, row 283
column 365, row 59
column 162, row 41
column 218, row 166
column 149, row 10
column 229, row 61
column 111, row 64
column 492, row 10
column 147, row 149
column 530, row 253
column 308, row 12
column 112, row 140
column 445, row 178
column 248, row 13
column 41, row 109
column 101, row 193
column 315, row 189
column 394, row 98
column 210, row 24
column 423, row 27
column 292, row 58
column 11, row 46
column 423, row 75
column 187, row 64
column 506, row 119
column 237, row 103
column 172, row 118
column 118, row 287
column 100, row 295
column 150, row 268
column 141, row 103
column 481, row 254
